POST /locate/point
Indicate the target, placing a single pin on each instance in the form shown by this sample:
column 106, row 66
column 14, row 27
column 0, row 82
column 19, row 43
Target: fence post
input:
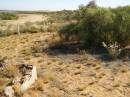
column 18, row 29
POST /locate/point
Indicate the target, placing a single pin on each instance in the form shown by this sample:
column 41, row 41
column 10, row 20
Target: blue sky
column 55, row 4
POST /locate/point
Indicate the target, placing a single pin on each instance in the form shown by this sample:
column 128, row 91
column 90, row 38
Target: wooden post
column 18, row 29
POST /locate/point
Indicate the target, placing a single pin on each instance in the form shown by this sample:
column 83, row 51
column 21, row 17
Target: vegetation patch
column 96, row 25
column 8, row 16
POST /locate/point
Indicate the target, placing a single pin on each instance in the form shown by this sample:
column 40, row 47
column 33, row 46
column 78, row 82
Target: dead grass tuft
column 10, row 71
column 39, row 85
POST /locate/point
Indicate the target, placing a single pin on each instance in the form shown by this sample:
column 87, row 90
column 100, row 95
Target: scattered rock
column 30, row 76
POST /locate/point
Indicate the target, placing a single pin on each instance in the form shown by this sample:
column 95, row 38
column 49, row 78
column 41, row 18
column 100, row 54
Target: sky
column 55, row 4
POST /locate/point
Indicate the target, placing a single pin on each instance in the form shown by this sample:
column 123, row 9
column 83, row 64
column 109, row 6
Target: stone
column 8, row 91
column 29, row 80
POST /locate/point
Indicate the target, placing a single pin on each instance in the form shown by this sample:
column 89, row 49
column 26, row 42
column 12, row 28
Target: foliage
column 29, row 27
column 8, row 16
column 68, row 31
column 62, row 16
column 9, row 71
column 121, row 25
column 96, row 25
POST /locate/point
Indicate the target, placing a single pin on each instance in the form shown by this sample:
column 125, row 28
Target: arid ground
column 23, row 18
column 65, row 74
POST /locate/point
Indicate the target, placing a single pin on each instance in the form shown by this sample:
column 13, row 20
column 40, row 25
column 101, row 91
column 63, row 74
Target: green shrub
column 96, row 25
column 8, row 16
column 121, row 26
column 67, row 32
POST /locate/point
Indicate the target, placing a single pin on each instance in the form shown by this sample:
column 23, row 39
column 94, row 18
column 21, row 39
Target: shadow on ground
column 77, row 48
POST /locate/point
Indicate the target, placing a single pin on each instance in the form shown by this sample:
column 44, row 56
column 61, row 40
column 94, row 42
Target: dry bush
column 17, row 89
column 53, row 27
column 30, row 27
column 3, row 24
column 30, row 93
column 39, row 85
column 10, row 71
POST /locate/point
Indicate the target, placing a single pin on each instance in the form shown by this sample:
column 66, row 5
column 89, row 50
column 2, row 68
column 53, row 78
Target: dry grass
column 23, row 18
column 17, row 90
column 39, row 85
column 7, row 74
column 67, row 75
column 47, row 76
column 3, row 82
column 10, row 71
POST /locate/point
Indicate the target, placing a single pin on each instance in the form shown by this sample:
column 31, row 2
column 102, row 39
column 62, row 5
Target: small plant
column 39, row 85
column 10, row 71
column 113, row 49
column 17, row 90
column 70, row 32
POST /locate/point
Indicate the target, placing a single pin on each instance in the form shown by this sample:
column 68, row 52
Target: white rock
column 29, row 80
column 8, row 91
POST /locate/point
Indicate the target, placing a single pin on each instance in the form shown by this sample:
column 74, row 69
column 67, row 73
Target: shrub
column 8, row 16
column 96, row 25
column 121, row 26
column 70, row 32
column 10, row 71
column 39, row 85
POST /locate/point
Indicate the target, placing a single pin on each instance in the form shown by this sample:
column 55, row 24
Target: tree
column 92, row 4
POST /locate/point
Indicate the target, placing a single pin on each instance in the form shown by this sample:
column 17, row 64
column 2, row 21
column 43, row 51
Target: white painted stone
column 9, row 92
column 29, row 79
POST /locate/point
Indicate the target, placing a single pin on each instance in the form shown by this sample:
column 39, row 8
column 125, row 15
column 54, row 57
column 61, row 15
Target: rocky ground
column 67, row 74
